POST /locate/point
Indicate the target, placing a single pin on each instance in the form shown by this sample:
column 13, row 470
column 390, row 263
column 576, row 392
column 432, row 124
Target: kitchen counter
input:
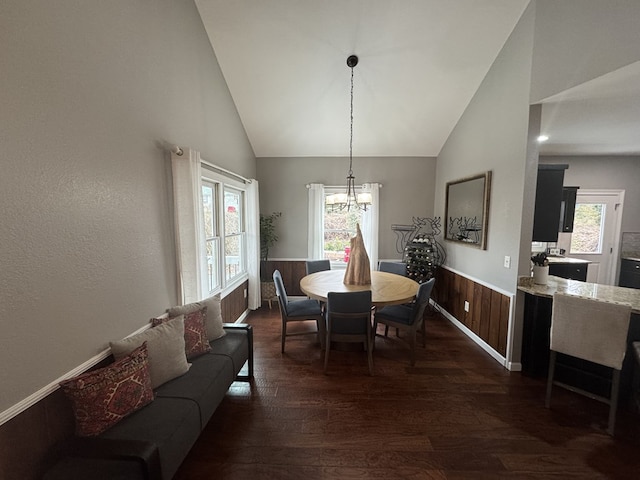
column 567, row 260
column 569, row 370
column 584, row 289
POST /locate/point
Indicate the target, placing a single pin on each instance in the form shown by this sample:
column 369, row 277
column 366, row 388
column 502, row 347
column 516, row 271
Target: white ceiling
column 421, row 61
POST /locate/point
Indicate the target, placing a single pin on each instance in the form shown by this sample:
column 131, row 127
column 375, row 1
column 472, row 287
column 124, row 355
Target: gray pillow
column 165, row 343
column 212, row 318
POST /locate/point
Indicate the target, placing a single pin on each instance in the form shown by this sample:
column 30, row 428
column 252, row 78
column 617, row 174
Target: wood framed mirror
column 467, row 210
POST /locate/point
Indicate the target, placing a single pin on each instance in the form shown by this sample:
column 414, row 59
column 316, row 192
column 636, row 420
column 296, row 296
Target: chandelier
column 350, row 199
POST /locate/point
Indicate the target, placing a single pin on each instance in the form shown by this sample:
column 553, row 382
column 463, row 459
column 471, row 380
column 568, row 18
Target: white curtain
column 253, row 244
column 370, row 223
column 189, row 232
column 315, row 239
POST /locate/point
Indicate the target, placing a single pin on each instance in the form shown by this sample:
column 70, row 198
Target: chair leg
column 615, row 389
column 370, row 356
column 552, row 369
column 386, row 330
column 327, row 347
column 424, row 334
column 284, row 334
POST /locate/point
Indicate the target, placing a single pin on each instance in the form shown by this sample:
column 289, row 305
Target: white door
column 596, row 233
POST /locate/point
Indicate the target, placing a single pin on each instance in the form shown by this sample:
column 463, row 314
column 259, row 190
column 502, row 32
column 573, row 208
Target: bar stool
column 591, row 330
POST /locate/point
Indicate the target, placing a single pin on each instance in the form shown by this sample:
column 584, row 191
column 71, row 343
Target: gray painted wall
column 607, row 172
column 492, row 135
column 90, row 90
column 408, row 190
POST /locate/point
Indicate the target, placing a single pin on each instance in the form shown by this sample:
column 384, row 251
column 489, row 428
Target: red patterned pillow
column 103, row 397
column 195, row 333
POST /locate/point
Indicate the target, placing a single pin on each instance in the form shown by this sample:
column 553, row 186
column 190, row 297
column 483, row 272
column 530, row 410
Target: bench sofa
column 151, row 443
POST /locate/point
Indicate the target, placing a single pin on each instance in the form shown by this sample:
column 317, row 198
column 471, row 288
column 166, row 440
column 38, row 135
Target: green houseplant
column 268, row 238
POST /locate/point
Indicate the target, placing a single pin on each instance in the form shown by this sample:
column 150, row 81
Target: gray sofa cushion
column 235, row 345
column 172, row 424
column 206, row 384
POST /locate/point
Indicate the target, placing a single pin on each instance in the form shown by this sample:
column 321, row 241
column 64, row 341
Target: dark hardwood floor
column 456, row 415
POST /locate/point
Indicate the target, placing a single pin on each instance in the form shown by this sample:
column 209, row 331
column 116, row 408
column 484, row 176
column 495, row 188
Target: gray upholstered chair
column 349, row 321
column 591, row 330
column 314, row 266
column 409, row 317
column 399, row 268
column 296, row 311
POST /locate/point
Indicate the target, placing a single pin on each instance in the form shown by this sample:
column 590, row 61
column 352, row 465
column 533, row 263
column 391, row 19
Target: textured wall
column 90, row 91
column 407, row 191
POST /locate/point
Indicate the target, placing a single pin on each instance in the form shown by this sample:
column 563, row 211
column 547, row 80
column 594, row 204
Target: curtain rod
column 224, row 171
column 308, row 185
column 179, row 152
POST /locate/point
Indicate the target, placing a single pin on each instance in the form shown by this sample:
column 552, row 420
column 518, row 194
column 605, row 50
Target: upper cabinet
column 568, row 208
column 548, row 206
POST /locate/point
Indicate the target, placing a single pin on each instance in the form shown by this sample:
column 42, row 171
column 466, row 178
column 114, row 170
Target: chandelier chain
column 351, row 129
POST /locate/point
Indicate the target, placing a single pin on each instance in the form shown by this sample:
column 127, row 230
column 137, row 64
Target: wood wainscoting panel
column 292, row 272
column 488, row 315
column 235, row 304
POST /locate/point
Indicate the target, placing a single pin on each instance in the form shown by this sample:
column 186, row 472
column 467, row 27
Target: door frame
column 612, row 274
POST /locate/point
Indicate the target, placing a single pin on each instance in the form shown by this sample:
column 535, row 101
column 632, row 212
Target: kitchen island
column 537, row 324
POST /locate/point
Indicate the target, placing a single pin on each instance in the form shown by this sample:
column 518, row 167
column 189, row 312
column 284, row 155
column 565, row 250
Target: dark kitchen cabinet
column 571, row 271
column 629, row 273
column 546, row 217
column 568, row 208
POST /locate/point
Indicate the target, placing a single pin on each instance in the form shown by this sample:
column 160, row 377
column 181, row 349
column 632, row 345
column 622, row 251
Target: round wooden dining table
column 386, row 288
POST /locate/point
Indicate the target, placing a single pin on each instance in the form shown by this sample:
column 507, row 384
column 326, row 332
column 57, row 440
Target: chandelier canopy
column 350, row 199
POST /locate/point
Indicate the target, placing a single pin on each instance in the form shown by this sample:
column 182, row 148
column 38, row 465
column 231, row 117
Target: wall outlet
column 466, row 306
column 507, row 261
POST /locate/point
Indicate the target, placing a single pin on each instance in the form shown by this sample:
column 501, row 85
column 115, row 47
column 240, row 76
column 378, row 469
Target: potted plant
column 268, row 238
column 540, row 268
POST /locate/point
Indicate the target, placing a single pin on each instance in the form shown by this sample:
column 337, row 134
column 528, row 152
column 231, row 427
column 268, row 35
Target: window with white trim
column 211, row 234
column 234, row 234
column 224, row 231
column 339, row 228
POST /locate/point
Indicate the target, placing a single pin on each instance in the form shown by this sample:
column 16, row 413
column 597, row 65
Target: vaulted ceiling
column 420, row 63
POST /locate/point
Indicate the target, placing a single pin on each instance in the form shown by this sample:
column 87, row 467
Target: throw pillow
column 102, row 397
column 213, row 319
column 167, row 358
column 195, row 334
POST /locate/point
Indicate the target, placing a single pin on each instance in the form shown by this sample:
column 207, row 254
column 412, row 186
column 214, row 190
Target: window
column 339, row 228
column 224, row 231
column 588, row 226
column 212, row 238
column 234, row 234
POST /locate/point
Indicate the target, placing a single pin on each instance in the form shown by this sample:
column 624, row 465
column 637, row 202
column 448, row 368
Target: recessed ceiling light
column 543, row 138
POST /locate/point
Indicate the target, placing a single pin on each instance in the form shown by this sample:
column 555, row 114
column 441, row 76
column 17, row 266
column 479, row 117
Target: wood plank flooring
column 456, row 415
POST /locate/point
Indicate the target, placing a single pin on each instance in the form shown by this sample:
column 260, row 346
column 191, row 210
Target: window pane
column 213, row 275
column 233, row 256
column 207, row 203
column 339, row 228
column 232, row 213
column 587, row 228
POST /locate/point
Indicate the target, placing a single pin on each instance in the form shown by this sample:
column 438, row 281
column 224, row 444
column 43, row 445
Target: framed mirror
column 467, row 210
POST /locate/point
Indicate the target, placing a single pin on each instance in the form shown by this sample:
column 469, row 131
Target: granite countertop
column 583, row 289
column 565, row 260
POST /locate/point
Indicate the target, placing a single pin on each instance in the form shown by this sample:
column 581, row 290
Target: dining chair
column 349, row 321
column 399, row 268
column 591, row 330
column 297, row 311
column 314, row 266
column 409, row 317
